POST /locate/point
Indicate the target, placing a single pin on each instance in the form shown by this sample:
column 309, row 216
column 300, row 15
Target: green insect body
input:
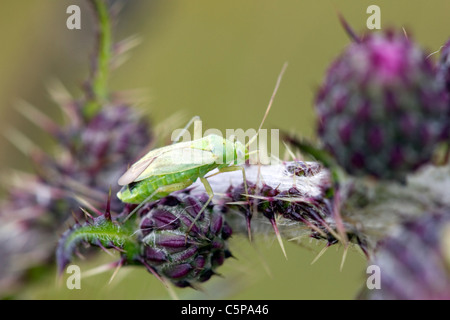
column 177, row 166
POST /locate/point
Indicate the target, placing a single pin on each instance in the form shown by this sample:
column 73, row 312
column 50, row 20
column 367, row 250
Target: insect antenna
column 139, row 206
column 195, row 118
column 277, row 85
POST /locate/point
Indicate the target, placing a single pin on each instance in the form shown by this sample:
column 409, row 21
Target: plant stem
column 101, row 232
column 99, row 79
column 370, row 210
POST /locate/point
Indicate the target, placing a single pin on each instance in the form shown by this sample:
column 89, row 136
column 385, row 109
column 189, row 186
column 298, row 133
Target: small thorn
column 348, row 29
column 87, row 215
column 344, row 257
column 363, row 248
column 313, row 227
column 197, row 287
column 237, row 203
column 262, row 260
column 41, row 120
column 152, row 271
column 116, row 270
column 58, row 93
column 107, row 213
column 249, row 228
column 320, row 254
column 87, row 205
column 100, row 245
column 254, row 196
column 79, row 255
column 338, row 218
column 20, row 141
column 331, row 231
column 277, row 233
column 405, row 33
column 100, row 269
column 75, row 218
column 172, row 292
column 291, row 154
column 112, row 245
column 232, row 256
column 127, row 44
column 218, row 274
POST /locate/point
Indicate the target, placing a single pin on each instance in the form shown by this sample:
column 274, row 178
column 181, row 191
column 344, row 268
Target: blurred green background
column 219, row 60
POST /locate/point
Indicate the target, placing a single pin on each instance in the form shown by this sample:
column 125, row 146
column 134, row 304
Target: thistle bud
column 180, row 245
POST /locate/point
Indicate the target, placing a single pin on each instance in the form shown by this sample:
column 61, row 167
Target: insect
column 177, row 166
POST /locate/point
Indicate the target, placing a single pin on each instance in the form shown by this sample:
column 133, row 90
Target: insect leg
column 232, row 168
column 210, row 193
column 236, row 168
column 163, row 189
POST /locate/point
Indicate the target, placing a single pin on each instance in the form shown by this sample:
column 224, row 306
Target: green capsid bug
column 177, row 166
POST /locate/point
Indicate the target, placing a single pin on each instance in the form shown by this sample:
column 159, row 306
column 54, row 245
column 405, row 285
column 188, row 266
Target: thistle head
column 380, row 107
column 181, row 245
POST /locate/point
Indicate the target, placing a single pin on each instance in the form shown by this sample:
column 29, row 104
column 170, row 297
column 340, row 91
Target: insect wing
column 178, row 160
column 171, row 159
column 139, row 167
